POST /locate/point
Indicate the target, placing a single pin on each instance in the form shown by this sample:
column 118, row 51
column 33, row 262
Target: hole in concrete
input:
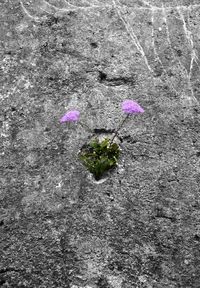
column 94, row 45
column 179, row 53
column 99, row 156
column 103, row 283
column 2, row 281
column 102, row 76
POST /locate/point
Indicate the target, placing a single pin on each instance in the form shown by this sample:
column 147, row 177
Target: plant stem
column 85, row 126
column 120, row 126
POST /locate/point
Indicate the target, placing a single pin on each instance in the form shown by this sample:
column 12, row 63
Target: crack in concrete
column 116, row 81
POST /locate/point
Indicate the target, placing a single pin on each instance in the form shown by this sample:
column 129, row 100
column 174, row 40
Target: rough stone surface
column 140, row 227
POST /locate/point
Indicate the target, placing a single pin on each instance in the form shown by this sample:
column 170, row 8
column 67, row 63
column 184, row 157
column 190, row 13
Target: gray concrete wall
column 141, row 226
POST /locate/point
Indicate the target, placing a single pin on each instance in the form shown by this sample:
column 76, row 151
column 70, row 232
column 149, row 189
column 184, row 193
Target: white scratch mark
column 37, row 19
column 70, row 7
column 194, row 57
column 153, row 37
column 166, row 25
column 157, row 56
column 5, row 129
column 174, row 7
column 43, row 5
column 175, row 57
column 86, row 2
column 161, row 8
column 150, row 5
column 146, row 3
column 189, row 37
column 93, row 4
column 132, row 35
column 51, row 9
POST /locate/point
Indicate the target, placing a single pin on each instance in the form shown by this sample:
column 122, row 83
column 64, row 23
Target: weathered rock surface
column 140, row 227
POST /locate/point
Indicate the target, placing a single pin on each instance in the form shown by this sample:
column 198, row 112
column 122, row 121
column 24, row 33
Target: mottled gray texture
column 141, row 226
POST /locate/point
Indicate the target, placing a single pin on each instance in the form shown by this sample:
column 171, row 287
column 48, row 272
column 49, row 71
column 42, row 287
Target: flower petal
column 131, row 107
column 70, row 116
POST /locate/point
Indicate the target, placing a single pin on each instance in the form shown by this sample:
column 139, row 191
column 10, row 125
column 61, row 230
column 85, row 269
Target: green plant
column 99, row 157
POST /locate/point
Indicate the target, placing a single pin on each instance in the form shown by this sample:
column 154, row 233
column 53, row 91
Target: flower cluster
column 71, row 116
column 100, row 156
column 131, row 107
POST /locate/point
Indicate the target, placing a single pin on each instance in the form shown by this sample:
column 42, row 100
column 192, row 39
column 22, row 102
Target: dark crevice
column 94, row 45
column 8, row 269
column 173, row 219
column 2, row 281
column 116, row 265
column 103, row 131
column 110, row 196
column 116, row 81
column 196, row 237
column 102, row 76
column 121, row 81
column 160, row 214
column 129, row 139
column 103, row 283
column 50, row 21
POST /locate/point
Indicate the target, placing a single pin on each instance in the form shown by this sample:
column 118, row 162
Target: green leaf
column 98, row 157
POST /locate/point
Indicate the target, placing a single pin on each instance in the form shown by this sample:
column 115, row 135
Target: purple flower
column 131, row 107
column 71, row 116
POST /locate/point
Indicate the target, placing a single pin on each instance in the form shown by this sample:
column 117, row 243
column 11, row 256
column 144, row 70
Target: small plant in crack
column 101, row 155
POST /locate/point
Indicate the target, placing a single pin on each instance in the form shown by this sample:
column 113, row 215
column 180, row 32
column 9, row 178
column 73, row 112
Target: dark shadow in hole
column 94, row 45
column 103, row 283
column 2, row 281
column 102, row 76
column 103, row 131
